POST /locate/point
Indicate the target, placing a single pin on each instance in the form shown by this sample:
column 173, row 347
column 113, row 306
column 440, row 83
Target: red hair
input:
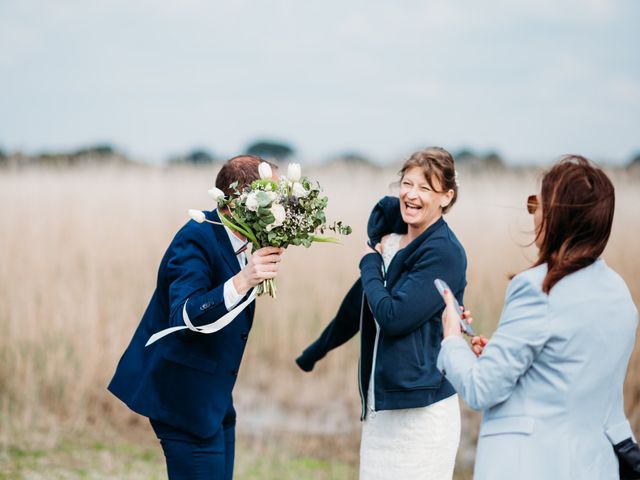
column 578, row 201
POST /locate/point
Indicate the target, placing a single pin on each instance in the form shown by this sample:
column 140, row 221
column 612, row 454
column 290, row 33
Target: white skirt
column 411, row 444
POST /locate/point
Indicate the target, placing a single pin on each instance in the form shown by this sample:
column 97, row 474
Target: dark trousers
column 192, row 458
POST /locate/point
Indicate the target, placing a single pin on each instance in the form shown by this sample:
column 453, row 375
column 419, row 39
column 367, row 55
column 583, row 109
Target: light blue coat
column 550, row 379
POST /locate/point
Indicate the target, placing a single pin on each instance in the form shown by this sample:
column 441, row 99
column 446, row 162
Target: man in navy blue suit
column 183, row 381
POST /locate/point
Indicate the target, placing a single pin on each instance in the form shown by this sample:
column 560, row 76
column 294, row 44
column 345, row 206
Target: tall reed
column 79, row 251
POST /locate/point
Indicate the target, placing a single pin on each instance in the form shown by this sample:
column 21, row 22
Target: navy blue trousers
column 193, row 458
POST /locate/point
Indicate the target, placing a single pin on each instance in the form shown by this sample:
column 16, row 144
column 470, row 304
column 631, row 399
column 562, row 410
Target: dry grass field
column 79, row 251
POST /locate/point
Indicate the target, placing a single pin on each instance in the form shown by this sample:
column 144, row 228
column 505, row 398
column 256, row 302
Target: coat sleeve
column 190, row 282
column 415, row 300
column 617, row 427
column 521, row 334
column 342, row 328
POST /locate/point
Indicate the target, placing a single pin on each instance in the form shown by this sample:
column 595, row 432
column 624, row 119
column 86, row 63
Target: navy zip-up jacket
column 408, row 309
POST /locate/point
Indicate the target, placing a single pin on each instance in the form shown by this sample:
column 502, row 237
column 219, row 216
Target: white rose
column 264, row 169
column 197, row 215
column 279, row 213
column 298, row 190
column 216, row 194
column 252, row 202
column 294, row 172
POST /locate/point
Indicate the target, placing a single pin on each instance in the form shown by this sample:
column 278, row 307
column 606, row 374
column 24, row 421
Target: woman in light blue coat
column 550, row 380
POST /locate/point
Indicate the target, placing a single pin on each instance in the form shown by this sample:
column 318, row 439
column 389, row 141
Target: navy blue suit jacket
column 185, row 379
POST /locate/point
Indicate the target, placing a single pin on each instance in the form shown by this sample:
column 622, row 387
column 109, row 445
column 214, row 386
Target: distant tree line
column 467, row 157
column 269, row 150
column 634, row 164
column 276, row 151
column 198, row 156
column 96, row 154
column 353, row 159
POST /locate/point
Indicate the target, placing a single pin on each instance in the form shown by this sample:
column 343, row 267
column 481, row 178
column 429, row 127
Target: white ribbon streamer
column 219, row 324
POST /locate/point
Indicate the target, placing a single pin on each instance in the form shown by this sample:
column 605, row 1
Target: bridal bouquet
column 289, row 211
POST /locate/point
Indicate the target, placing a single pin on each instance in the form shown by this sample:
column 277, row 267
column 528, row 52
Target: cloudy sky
column 533, row 79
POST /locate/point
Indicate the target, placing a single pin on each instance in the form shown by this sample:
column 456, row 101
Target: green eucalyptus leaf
column 263, row 199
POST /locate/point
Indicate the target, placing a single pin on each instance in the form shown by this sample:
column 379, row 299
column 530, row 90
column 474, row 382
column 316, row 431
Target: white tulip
column 294, row 172
column 264, row 169
column 216, row 194
column 298, row 190
column 252, row 202
column 279, row 214
column 197, row 215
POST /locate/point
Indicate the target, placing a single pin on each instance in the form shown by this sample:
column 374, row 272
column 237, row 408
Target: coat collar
column 420, row 239
column 407, row 257
column 226, row 248
column 227, row 251
column 384, row 219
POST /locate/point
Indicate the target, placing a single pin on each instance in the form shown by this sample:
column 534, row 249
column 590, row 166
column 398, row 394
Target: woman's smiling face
column 420, row 203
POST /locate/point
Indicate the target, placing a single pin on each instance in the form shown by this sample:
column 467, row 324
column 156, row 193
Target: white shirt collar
column 236, row 242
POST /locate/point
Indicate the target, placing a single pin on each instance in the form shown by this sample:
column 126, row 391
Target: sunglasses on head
column 532, row 204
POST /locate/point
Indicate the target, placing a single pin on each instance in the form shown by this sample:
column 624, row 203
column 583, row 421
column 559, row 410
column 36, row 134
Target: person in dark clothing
column 184, row 381
column 410, row 411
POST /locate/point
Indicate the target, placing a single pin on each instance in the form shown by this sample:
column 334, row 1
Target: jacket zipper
column 375, row 354
column 362, row 397
column 372, row 408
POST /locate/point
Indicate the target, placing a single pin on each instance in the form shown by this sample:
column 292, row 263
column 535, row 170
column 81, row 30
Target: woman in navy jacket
column 410, row 412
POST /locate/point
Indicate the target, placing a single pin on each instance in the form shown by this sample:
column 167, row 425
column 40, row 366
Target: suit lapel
column 226, row 249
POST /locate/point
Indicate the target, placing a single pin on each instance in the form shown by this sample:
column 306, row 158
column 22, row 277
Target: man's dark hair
column 243, row 169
